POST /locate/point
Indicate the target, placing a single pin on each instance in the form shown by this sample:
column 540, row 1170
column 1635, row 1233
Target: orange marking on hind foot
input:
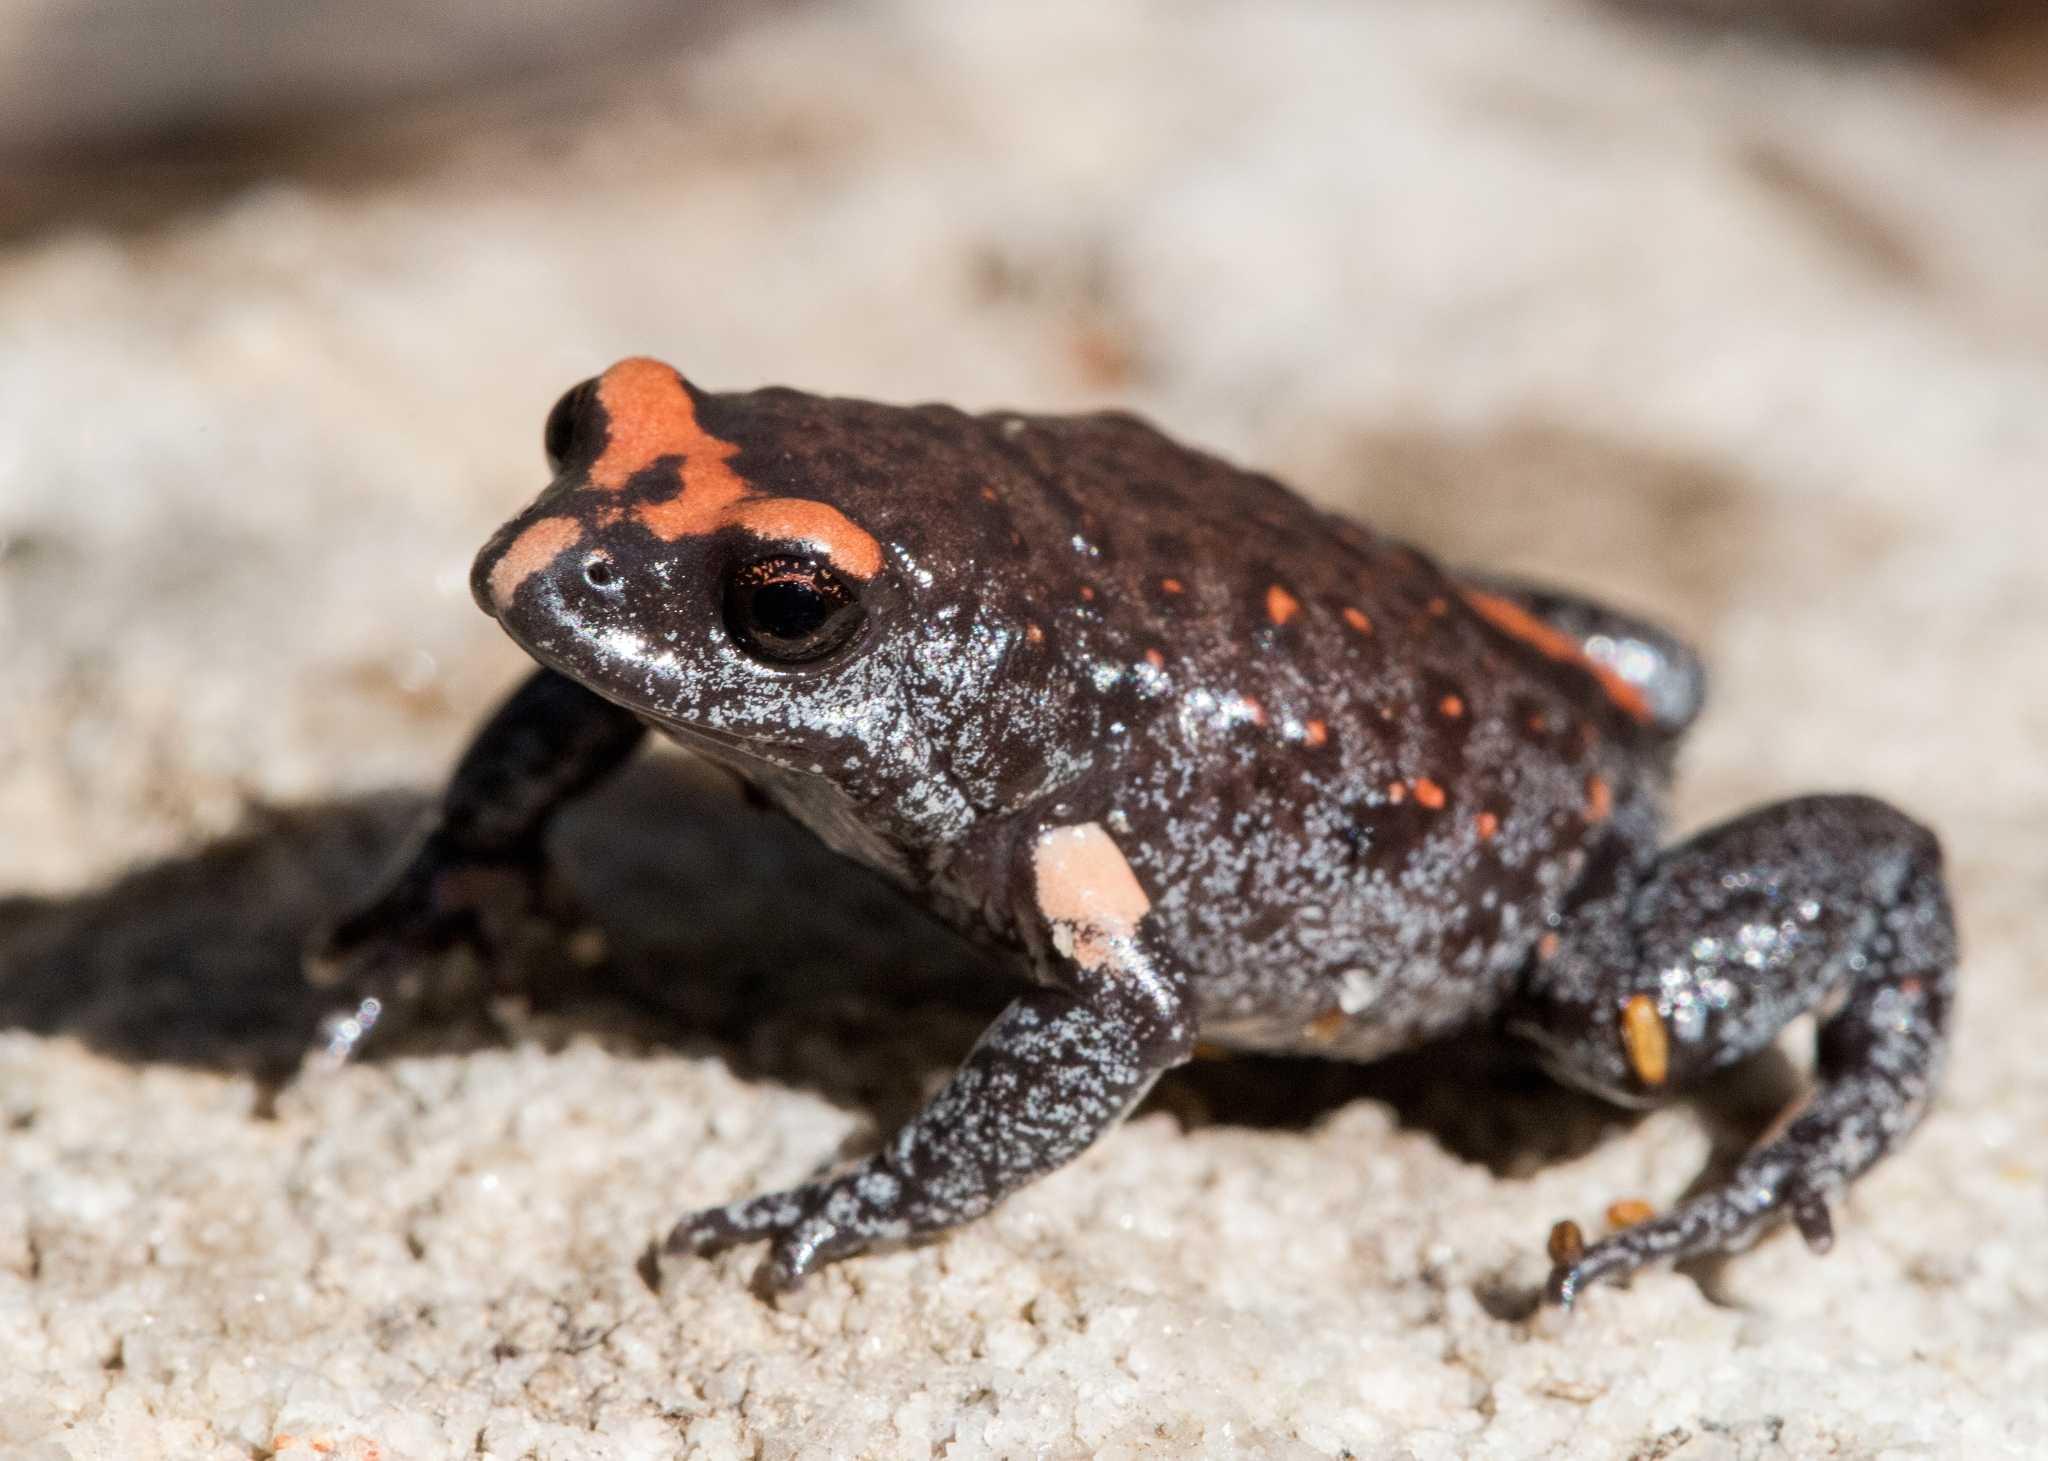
column 1628, row 1211
column 1518, row 623
column 1646, row 1040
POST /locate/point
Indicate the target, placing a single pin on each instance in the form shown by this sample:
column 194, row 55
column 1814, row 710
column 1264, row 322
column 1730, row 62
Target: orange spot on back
column 1488, row 824
column 651, row 417
column 1548, row 945
column 1035, row 634
column 1315, row 733
column 540, row 543
column 1397, row 792
column 1599, row 799
column 1253, row 709
column 1172, row 586
column 1358, row 621
column 1087, row 594
column 1281, row 605
column 1155, row 659
column 1518, row 623
column 1429, row 793
column 1439, row 606
column 1452, row 706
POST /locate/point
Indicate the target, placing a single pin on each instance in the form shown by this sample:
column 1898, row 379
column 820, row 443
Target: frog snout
column 536, row 551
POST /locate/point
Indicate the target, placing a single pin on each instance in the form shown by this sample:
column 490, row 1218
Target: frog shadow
column 729, row 932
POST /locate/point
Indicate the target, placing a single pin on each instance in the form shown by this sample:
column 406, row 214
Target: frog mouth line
column 733, row 750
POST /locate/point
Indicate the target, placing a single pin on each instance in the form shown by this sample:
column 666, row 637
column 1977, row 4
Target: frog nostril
column 598, row 572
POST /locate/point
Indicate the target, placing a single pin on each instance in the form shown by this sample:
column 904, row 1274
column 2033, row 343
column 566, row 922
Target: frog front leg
column 477, row 866
column 1058, row 1068
column 1833, row 904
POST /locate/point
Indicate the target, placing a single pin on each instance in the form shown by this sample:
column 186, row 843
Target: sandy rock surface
column 1752, row 338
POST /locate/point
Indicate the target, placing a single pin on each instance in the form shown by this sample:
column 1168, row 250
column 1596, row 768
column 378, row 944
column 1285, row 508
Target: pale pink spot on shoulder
column 1281, row 605
column 1428, row 793
column 1086, row 891
column 1358, row 621
column 540, row 543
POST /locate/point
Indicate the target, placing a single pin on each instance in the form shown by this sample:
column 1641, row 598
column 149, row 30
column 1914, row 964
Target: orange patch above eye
column 650, row 416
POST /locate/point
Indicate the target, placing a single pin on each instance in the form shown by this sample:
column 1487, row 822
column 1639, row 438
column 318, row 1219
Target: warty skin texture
column 1195, row 759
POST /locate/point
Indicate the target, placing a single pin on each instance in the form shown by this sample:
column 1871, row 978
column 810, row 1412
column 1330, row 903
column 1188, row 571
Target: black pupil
column 789, row 609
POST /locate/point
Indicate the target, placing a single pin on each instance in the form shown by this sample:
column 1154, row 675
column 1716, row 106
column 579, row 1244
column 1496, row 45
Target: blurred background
column 1734, row 311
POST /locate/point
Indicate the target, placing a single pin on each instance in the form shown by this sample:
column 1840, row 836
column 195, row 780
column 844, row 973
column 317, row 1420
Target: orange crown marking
column 651, row 416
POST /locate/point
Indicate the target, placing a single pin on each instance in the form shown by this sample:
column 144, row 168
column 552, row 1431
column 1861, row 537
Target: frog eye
column 569, row 425
column 790, row 610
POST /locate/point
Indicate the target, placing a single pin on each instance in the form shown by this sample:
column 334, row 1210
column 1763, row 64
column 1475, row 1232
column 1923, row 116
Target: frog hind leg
column 1833, row 904
column 1660, row 665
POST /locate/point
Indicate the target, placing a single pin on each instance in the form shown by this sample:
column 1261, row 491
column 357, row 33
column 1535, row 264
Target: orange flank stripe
column 1518, row 623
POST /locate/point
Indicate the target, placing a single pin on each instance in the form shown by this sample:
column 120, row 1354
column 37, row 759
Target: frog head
column 811, row 590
